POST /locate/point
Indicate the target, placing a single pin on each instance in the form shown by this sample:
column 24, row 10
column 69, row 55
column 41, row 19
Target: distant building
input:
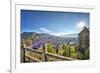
column 84, row 38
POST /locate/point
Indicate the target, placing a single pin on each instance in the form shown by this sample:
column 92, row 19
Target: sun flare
column 81, row 25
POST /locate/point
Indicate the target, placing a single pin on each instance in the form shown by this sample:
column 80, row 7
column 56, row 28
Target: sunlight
column 81, row 25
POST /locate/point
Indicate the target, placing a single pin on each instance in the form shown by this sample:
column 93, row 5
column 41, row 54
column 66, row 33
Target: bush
column 66, row 50
column 50, row 49
column 73, row 52
column 85, row 55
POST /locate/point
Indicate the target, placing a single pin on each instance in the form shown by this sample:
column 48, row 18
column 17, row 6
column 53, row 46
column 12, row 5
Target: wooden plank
column 34, row 50
column 48, row 54
column 32, row 58
column 60, row 57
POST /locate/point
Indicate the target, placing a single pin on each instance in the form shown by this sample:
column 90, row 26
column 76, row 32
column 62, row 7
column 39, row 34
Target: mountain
column 25, row 35
column 42, row 38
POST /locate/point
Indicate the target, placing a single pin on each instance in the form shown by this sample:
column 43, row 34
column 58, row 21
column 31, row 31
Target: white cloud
column 44, row 30
column 58, row 34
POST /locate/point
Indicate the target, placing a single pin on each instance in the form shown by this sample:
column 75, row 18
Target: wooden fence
column 43, row 56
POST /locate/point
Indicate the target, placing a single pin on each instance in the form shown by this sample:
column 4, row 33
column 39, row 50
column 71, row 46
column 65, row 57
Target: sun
column 81, row 25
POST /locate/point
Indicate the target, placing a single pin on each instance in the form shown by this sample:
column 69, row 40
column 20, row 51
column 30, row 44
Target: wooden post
column 23, row 48
column 43, row 54
column 43, row 57
column 24, row 55
column 46, row 48
column 69, row 51
column 57, row 50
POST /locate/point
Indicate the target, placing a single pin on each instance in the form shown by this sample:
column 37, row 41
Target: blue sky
column 52, row 22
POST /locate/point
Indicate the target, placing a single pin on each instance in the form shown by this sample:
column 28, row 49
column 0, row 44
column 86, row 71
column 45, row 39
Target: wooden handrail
column 60, row 57
column 34, row 59
column 44, row 54
column 33, row 50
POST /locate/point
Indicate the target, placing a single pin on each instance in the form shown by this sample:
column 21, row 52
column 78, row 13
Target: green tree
column 85, row 55
column 73, row 52
column 66, row 50
column 50, row 49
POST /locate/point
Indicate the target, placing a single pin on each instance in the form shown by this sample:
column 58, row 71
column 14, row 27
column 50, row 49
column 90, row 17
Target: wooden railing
column 28, row 55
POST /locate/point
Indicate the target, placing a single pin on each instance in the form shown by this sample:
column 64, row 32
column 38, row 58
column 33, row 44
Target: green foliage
column 37, row 55
column 69, row 51
column 74, row 55
column 60, row 50
column 73, row 52
column 84, row 56
column 66, row 49
column 50, row 49
column 87, row 54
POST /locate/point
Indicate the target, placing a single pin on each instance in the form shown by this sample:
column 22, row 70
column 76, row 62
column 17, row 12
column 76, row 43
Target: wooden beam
column 60, row 57
column 32, row 58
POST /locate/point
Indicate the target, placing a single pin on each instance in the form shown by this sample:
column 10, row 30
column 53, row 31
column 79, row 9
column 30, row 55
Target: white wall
column 5, row 36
